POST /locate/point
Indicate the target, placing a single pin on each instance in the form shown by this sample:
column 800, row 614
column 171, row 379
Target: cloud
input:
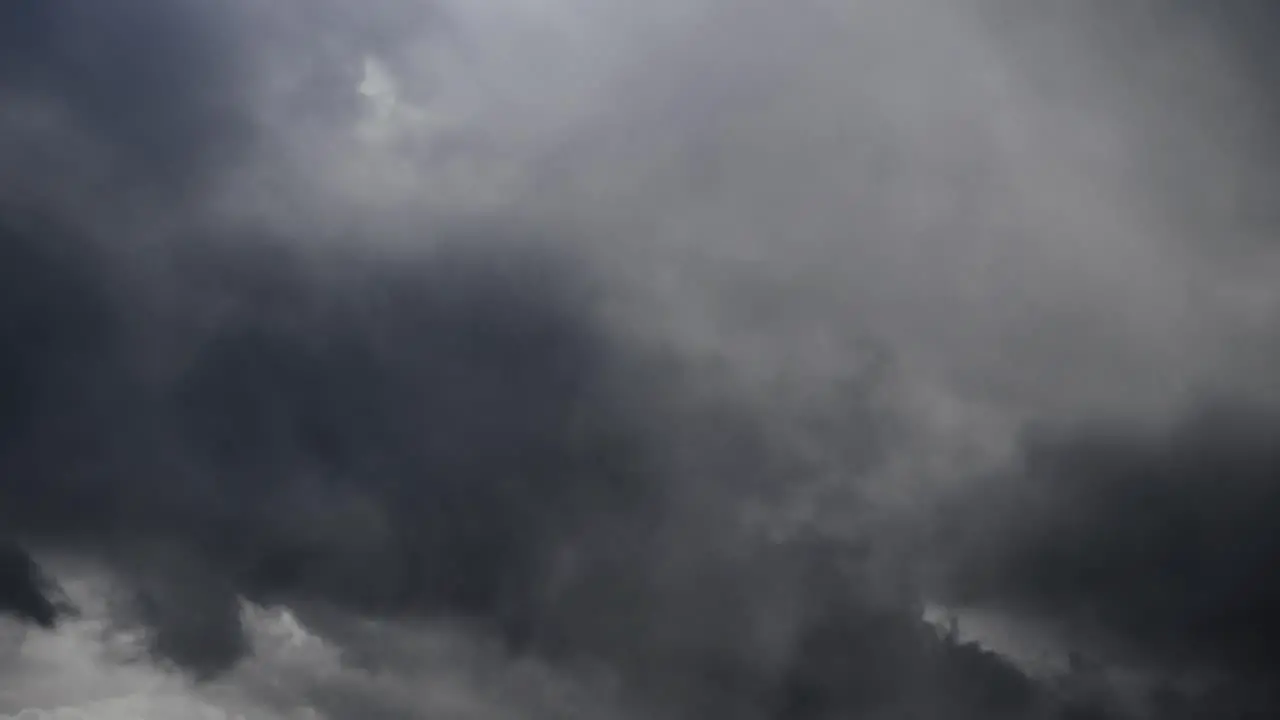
column 352, row 440
column 24, row 591
column 544, row 321
column 1155, row 542
column 448, row 438
column 138, row 93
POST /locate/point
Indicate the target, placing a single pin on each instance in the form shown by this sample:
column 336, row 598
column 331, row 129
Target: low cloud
column 666, row 358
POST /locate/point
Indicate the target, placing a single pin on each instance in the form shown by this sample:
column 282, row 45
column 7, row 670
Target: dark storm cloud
column 1250, row 28
column 1162, row 541
column 447, row 429
column 443, row 435
column 380, row 438
column 24, row 590
column 436, row 435
column 146, row 94
column 52, row 311
column 400, row 439
column 152, row 109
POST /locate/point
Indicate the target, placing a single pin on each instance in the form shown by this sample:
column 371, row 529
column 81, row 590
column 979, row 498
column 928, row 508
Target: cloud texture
column 515, row 358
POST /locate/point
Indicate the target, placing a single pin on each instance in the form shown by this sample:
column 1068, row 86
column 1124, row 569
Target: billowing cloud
column 545, row 330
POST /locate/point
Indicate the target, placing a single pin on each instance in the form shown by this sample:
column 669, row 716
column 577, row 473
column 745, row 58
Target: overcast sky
column 420, row 313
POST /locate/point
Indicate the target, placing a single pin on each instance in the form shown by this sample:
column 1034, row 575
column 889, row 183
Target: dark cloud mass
column 24, row 591
column 1165, row 539
column 489, row 332
column 146, row 94
column 311, row 434
column 439, row 438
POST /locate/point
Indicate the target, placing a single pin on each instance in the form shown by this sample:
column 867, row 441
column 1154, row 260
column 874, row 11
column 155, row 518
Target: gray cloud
column 24, row 590
column 542, row 315
column 1160, row 540
column 137, row 94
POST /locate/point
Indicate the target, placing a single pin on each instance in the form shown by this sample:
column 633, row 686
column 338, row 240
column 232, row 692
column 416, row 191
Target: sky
column 511, row 358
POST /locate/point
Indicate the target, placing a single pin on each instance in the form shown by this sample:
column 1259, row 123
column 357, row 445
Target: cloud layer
column 589, row 344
